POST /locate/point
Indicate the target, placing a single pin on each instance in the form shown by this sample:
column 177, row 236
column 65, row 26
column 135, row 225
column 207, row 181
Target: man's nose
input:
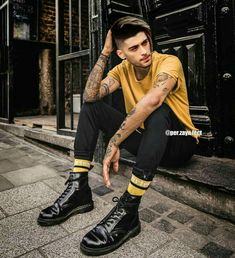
column 143, row 50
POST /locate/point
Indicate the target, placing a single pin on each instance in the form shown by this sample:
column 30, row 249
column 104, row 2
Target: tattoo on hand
column 112, row 142
column 161, row 82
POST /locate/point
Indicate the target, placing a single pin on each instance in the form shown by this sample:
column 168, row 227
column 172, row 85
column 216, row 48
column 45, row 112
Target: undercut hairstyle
column 127, row 27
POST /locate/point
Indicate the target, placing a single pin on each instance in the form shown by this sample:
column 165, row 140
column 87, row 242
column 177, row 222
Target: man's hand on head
column 108, row 44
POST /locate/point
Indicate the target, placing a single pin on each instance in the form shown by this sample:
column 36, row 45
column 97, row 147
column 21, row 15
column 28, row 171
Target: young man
column 156, row 101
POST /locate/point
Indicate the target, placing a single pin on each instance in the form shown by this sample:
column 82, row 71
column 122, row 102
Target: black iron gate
column 72, row 61
column 6, row 91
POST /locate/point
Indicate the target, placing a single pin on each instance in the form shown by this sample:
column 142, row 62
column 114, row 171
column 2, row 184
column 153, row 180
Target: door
column 201, row 34
column 6, row 85
column 187, row 29
column 226, row 58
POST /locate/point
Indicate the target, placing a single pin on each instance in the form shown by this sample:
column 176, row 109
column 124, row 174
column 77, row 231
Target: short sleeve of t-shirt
column 115, row 73
column 172, row 66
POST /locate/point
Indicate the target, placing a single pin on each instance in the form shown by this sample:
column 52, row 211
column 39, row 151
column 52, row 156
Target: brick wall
column 47, row 21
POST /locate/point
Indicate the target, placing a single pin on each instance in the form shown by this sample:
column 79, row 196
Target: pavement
column 31, row 178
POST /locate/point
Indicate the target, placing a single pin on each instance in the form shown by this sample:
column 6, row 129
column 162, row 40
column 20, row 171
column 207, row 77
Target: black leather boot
column 117, row 227
column 76, row 198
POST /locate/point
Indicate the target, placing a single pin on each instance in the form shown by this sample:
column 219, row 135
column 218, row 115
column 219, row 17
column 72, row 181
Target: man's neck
column 141, row 72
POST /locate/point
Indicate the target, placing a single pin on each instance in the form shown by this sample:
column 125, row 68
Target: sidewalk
column 31, row 179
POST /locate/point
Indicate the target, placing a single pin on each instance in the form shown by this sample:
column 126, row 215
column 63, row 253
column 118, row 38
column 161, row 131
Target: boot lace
column 69, row 184
column 115, row 214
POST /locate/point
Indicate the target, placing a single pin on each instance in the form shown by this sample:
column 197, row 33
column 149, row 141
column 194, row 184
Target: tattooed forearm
column 112, row 142
column 122, row 127
column 93, row 83
column 161, row 82
column 118, row 136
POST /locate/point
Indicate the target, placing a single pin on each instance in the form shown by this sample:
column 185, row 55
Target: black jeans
column 152, row 147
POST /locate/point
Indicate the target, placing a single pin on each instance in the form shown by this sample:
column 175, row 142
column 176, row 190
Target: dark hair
column 129, row 26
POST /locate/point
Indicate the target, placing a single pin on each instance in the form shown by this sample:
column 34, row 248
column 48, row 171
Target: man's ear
column 120, row 54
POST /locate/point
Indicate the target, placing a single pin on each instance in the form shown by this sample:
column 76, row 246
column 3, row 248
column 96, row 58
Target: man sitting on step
column 157, row 107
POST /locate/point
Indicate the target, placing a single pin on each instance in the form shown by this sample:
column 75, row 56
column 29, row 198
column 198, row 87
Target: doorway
column 26, row 79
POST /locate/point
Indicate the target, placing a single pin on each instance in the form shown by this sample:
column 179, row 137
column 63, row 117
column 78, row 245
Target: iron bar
column 3, row 5
column 74, row 55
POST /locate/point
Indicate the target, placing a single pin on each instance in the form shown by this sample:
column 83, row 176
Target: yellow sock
column 81, row 165
column 137, row 186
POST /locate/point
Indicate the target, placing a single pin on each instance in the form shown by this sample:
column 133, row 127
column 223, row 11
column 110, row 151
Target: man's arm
column 150, row 102
column 95, row 88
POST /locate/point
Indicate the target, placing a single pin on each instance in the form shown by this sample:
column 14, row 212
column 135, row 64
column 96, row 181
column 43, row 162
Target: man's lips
column 145, row 58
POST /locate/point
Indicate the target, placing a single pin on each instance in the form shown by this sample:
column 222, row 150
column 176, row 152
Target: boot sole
column 101, row 251
column 78, row 210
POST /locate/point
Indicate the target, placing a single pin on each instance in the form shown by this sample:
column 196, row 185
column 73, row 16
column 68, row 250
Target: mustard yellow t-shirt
column 134, row 90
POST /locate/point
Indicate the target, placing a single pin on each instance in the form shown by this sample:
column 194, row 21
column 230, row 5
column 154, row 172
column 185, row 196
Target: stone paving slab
column 25, row 162
column 176, row 249
column 56, row 183
column 13, row 154
column 203, row 225
column 30, row 175
column 33, row 254
column 2, row 215
column 190, row 238
column 7, row 165
column 128, row 249
column 5, row 184
column 5, row 146
column 20, row 233
column 67, row 247
column 11, row 141
column 26, row 197
column 225, row 236
column 164, row 225
column 216, row 251
column 150, row 239
column 4, row 134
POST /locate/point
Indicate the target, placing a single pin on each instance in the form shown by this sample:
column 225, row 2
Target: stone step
column 205, row 183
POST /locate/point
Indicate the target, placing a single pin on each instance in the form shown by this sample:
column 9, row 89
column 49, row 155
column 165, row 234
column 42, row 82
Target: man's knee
column 92, row 108
column 162, row 116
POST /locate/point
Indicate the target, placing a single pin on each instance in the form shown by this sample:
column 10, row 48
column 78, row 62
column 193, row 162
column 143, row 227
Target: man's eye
column 145, row 43
column 133, row 48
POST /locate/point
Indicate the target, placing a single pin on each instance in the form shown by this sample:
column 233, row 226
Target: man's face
column 136, row 50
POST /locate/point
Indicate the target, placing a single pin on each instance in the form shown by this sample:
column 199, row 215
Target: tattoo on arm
column 111, row 143
column 114, row 139
column 93, row 83
column 118, row 135
column 122, row 127
column 105, row 88
column 161, row 82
